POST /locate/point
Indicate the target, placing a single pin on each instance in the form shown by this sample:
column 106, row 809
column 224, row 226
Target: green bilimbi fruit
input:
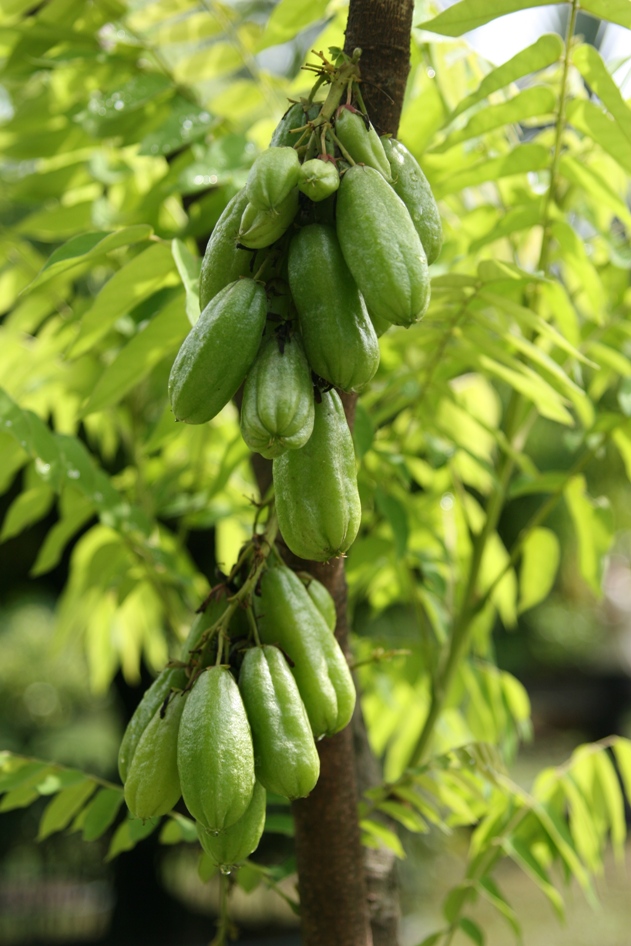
column 215, row 758
column 318, row 179
column 260, row 228
column 223, row 263
column 289, row 619
column 272, row 178
column 321, row 598
column 277, row 409
column 152, row 786
column 381, row 247
column 218, row 351
column 294, row 117
column 286, row 760
column 413, row 188
column 152, row 700
column 379, row 324
column 232, row 845
column 362, row 143
column 338, row 336
column 317, row 501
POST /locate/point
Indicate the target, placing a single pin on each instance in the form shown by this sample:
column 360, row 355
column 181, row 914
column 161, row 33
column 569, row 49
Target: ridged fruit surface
column 272, row 178
column 217, row 353
column 338, row 336
column 361, row 141
column 410, row 183
column 277, row 409
column 153, row 784
column 322, row 600
column 214, row 753
column 261, row 228
column 152, row 699
column 381, row 247
column 317, row 501
column 289, row 619
column 232, row 845
column 223, row 263
column 286, row 760
column 318, row 179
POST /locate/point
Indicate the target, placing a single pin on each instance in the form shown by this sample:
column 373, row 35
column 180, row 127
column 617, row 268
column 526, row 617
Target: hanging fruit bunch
column 261, row 678
column 325, row 248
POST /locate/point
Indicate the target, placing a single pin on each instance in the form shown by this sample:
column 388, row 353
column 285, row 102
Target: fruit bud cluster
column 326, row 246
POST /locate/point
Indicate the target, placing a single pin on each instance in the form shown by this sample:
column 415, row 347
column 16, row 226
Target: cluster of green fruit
column 326, row 246
column 223, row 733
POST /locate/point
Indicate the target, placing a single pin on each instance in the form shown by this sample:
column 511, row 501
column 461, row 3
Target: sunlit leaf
column 470, row 14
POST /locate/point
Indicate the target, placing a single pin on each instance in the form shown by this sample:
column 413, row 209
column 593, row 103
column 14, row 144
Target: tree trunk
column 348, row 896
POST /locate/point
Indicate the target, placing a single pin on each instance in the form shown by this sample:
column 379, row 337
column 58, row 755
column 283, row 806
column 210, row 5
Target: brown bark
column 349, row 897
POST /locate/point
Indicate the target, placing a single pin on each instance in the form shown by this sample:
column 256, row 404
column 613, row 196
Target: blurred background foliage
column 495, row 440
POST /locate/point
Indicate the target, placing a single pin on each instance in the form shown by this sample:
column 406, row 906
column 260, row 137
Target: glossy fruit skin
column 153, row 785
column 223, row 263
column 322, row 600
column 318, row 179
column 317, row 501
column 362, row 143
column 413, row 188
column 261, row 228
column 153, row 698
column 338, row 336
column 232, row 845
column 215, row 758
column 272, row 178
column 218, row 351
column 381, row 247
column 286, row 760
column 288, row 618
column 277, row 410
column 294, row 117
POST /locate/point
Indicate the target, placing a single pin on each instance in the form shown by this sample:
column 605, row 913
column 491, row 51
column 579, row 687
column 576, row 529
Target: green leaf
column 377, row 835
column 62, row 809
column 591, row 531
column 178, row 828
column 612, row 11
column 101, row 812
column 488, row 889
column 49, row 555
column 405, row 815
column 547, row 401
column 136, row 281
column 455, row 901
column 396, row 514
column 533, row 102
column 602, row 128
column 614, row 801
column 26, row 509
column 540, row 560
column 528, row 157
column 470, row 14
column 363, row 431
column 472, row 930
column 88, row 247
column 186, row 123
column 129, row 833
column 547, row 50
column 524, row 858
column 158, row 339
column 188, row 266
column 290, row 17
column 622, row 752
column 587, row 180
column 588, row 61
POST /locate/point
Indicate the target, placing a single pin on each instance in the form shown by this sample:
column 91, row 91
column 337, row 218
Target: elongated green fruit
column 153, row 784
column 413, row 188
column 288, row 618
column 295, row 117
column 362, row 143
column 223, row 263
column 153, row 698
column 215, row 758
column 318, row 179
column 218, row 351
column 338, row 336
column 232, row 845
column 260, row 228
column 317, row 500
column 286, row 760
column 379, row 324
column 272, row 178
column 321, row 598
column 381, row 247
column 277, row 409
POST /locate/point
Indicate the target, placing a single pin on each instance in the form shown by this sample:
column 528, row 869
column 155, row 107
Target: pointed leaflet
column 528, row 157
column 533, row 102
column 593, row 121
column 129, row 833
column 87, row 247
column 62, row 809
column 469, row 14
column 612, row 11
column 524, row 858
column 593, row 531
column 591, row 66
column 101, row 811
column 26, row 509
column 188, row 266
column 539, row 564
column 290, row 17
